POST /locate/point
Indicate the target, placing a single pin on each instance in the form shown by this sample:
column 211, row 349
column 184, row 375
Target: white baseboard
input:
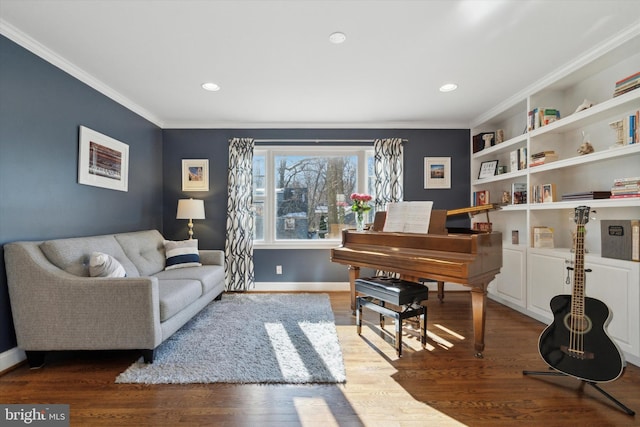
column 11, row 358
column 302, row 286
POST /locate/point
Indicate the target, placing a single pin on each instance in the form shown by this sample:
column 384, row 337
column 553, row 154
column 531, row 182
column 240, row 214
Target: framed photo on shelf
column 488, row 169
column 195, row 174
column 437, row 172
column 102, row 161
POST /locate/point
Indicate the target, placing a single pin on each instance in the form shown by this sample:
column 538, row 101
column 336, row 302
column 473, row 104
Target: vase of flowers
column 360, row 206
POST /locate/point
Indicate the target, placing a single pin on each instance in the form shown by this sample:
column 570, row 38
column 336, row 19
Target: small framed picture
column 437, row 172
column 195, row 174
column 488, row 169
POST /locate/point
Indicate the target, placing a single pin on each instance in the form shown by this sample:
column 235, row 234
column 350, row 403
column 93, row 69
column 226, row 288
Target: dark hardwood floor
column 441, row 386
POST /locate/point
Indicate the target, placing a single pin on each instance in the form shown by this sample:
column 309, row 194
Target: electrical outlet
column 278, row 269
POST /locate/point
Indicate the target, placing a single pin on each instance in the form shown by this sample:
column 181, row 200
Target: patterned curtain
column 388, row 180
column 238, row 263
column 388, row 172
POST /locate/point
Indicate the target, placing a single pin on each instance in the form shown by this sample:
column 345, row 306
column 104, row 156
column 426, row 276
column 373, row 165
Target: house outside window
column 301, row 194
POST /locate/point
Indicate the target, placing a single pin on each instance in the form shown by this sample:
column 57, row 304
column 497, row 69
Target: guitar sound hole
column 577, row 324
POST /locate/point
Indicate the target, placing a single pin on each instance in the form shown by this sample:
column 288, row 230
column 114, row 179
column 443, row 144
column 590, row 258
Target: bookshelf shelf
column 526, row 271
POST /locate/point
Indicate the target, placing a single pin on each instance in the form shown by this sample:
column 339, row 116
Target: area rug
column 250, row 338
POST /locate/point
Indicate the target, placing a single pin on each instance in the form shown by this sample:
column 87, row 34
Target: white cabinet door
column 616, row 284
column 547, row 272
column 510, row 284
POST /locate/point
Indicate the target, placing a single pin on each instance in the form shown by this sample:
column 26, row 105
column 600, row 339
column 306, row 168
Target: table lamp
column 190, row 209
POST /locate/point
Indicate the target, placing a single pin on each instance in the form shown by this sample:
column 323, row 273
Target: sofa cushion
column 181, row 254
column 73, row 255
column 208, row 275
column 145, row 249
column 175, row 295
column 104, row 265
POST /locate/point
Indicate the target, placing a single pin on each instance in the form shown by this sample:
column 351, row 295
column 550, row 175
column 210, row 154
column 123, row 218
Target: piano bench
column 378, row 291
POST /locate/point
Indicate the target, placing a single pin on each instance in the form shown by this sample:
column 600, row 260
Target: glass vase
column 359, row 221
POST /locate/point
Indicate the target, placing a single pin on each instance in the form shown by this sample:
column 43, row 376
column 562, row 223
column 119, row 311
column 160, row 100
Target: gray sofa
column 57, row 305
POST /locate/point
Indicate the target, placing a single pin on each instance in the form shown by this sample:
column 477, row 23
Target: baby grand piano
column 459, row 256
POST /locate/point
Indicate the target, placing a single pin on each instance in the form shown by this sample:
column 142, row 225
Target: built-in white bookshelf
column 591, row 78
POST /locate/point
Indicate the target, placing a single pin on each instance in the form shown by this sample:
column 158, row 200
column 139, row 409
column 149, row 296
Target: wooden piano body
column 468, row 258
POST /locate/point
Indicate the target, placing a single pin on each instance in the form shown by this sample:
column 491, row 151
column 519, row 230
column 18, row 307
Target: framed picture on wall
column 195, row 174
column 437, row 172
column 102, row 161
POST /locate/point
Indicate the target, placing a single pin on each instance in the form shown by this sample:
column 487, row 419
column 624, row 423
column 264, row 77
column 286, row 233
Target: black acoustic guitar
column 576, row 343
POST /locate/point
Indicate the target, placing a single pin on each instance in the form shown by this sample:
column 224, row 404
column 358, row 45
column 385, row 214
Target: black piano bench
column 376, row 292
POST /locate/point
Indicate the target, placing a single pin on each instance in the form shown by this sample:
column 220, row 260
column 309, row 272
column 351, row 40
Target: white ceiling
column 277, row 68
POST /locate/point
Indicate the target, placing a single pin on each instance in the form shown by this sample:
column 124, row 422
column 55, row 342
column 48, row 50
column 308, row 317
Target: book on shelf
column 518, row 193
column 481, row 197
column 514, row 161
column 630, row 128
column 587, row 195
column 627, row 180
column 522, row 158
column 625, row 196
column 542, row 237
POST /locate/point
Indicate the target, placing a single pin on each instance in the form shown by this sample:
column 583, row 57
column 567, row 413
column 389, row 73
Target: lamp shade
column 190, row 209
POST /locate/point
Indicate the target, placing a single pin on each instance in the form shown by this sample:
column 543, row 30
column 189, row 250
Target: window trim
column 362, row 152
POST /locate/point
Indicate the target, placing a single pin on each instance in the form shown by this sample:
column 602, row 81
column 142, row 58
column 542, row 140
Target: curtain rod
column 317, row 140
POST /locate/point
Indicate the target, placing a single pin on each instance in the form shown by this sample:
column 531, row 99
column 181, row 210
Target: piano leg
column 354, row 273
column 441, row 291
column 478, row 300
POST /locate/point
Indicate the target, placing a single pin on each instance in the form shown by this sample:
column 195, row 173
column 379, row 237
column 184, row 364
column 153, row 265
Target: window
column 301, row 194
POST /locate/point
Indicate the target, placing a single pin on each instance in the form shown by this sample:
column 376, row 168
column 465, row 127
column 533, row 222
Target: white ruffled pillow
column 104, row 265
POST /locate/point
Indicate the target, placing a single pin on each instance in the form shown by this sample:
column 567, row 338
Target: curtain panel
column 239, row 272
column 388, row 167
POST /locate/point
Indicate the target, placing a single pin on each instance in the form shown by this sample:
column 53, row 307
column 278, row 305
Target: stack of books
column 625, row 187
column 627, row 84
column 542, row 157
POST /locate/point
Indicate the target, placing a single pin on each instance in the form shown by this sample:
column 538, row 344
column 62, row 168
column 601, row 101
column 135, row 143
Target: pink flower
column 360, row 202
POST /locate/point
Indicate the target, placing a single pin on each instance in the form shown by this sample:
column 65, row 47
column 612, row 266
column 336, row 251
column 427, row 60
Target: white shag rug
column 250, row 338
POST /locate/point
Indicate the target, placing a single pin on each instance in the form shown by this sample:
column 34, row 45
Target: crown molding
column 58, row 61
column 314, row 125
column 583, row 60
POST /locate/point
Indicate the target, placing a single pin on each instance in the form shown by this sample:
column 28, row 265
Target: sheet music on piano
column 408, row 217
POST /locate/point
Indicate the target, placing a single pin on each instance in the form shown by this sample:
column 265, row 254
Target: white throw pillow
column 104, row 265
column 181, row 254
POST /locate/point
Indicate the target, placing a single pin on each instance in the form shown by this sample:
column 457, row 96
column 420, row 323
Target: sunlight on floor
column 377, row 346
column 314, row 410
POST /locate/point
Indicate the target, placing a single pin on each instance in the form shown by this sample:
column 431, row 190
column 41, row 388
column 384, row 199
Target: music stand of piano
column 466, row 257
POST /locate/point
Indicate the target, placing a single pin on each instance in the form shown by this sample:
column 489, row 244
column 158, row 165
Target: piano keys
column 471, row 259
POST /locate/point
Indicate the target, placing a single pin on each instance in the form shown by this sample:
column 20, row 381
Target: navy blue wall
column 302, row 265
column 41, row 109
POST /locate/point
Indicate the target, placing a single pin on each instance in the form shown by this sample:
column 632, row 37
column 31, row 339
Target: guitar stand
column 626, row 409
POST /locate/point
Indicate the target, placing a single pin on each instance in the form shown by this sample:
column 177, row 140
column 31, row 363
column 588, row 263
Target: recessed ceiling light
column 337, row 37
column 448, row 87
column 210, row 87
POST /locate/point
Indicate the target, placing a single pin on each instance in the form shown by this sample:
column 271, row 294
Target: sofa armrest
column 211, row 256
column 54, row 310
